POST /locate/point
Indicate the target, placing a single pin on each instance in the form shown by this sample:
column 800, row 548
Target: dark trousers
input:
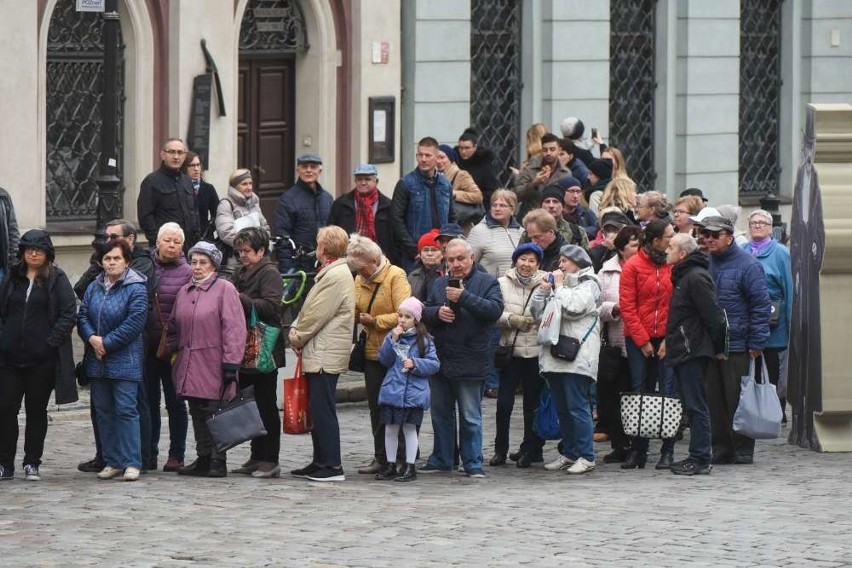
column 33, row 386
column 518, row 371
column 613, row 379
column 325, row 435
column 265, row 448
column 145, row 435
column 691, row 380
column 772, row 355
column 200, row 410
column 374, row 374
column 645, row 374
column 156, row 373
column 723, row 396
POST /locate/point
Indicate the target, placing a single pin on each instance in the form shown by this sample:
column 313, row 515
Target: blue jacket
column 741, row 291
column 118, row 316
column 779, row 282
column 463, row 345
column 585, row 218
column 411, row 208
column 300, row 214
column 411, row 389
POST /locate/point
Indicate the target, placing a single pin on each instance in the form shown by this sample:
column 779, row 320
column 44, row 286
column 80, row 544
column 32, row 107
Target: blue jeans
column 645, row 374
column 572, row 395
column 446, row 395
column 691, row 378
column 118, row 421
column 158, row 372
column 492, row 373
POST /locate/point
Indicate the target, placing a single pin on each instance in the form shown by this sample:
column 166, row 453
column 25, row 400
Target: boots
column 218, row 468
column 407, row 474
column 387, row 472
column 666, row 461
column 199, row 468
column 635, row 460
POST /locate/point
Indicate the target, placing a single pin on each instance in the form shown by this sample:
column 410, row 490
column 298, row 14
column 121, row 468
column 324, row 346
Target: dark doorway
column 265, row 138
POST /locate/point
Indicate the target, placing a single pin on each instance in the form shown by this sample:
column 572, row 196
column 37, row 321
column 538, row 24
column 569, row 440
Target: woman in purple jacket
column 207, row 328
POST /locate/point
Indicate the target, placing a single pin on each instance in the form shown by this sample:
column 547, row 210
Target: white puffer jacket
column 579, row 300
column 515, row 295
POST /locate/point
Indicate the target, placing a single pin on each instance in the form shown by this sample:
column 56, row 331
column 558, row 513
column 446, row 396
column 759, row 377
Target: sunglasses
column 713, row 234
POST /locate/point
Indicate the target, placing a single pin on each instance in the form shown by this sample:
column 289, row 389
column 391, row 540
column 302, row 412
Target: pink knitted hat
column 413, row 306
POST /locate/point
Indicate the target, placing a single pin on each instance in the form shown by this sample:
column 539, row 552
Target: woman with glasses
column 775, row 259
column 685, row 208
column 206, row 198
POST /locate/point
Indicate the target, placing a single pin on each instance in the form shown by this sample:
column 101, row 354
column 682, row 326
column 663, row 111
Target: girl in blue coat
column 409, row 354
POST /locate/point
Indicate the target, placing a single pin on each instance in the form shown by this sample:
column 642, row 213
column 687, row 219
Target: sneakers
column 689, row 467
column 6, row 473
column 94, row 465
column 581, row 466
column 131, row 474
column 475, row 473
column 31, row 473
column 109, row 472
column 429, row 468
column 309, row 469
column 559, row 463
column 327, row 474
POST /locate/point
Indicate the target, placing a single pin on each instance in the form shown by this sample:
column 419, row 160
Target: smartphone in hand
column 454, row 282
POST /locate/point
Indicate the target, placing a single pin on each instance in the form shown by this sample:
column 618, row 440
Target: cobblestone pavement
column 791, row 508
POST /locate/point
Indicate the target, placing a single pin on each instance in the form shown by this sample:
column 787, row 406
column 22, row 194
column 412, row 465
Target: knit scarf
column 365, row 213
column 657, row 257
column 757, row 248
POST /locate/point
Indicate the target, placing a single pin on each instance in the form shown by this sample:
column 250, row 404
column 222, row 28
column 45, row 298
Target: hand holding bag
column 261, row 345
column 551, row 321
column 358, row 356
column 297, row 414
column 650, row 415
column 235, row 421
column 758, row 413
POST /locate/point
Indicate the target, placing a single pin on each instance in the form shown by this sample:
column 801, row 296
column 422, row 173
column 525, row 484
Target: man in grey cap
column 302, row 210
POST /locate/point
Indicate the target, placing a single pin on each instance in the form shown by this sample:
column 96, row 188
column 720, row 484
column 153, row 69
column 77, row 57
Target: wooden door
column 265, row 126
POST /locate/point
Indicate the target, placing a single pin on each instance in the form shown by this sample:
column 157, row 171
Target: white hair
column 761, row 213
column 171, row 227
column 459, row 242
column 685, row 242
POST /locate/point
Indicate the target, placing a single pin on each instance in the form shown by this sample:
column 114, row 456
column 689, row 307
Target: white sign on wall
column 91, row 5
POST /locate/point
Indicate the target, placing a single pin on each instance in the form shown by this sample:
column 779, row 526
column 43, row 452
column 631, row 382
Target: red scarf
column 365, row 213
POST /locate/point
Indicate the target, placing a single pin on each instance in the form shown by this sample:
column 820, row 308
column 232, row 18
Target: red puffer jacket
column 643, row 295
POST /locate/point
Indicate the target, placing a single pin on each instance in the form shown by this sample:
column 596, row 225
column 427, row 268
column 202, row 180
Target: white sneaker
column 109, row 472
column 131, row 474
column 559, row 463
column 582, row 465
column 31, row 473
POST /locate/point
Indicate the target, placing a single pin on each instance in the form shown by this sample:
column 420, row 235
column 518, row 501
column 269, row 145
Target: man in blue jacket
column 460, row 317
column 741, row 292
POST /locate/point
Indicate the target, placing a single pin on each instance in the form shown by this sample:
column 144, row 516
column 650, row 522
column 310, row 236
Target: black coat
column 207, row 202
column 696, row 325
column 167, row 195
column 480, row 166
column 61, row 318
column 343, row 215
column 551, row 254
column 301, row 212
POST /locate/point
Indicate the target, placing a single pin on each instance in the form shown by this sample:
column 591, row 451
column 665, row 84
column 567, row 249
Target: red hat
column 430, row 239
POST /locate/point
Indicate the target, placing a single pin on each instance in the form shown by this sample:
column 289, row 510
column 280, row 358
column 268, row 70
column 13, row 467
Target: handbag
column 163, row 353
column 567, row 348
column 297, row 413
column 758, row 413
column 651, row 415
column 551, row 321
column 358, row 356
column 468, row 212
column 774, row 313
column 503, row 354
column 545, row 418
column 235, row 421
column 261, row 342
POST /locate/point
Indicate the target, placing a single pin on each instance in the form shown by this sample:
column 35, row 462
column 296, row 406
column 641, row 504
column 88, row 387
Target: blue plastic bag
column 546, row 421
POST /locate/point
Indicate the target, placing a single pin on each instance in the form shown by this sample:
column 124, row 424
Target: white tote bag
column 246, row 221
column 758, row 413
column 551, row 322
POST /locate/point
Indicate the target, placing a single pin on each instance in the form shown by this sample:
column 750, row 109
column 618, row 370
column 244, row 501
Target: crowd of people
column 566, row 278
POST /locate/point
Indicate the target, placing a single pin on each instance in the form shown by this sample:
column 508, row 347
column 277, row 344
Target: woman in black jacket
column 206, row 198
column 38, row 310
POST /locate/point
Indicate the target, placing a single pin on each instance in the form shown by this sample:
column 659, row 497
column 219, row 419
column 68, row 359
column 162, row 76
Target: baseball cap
column 718, row 223
column 704, row 214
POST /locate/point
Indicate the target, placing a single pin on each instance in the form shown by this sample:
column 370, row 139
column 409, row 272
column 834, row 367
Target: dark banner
column 198, row 138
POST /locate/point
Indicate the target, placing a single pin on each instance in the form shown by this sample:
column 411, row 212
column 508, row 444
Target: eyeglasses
column 194, row 166
column 175, row 152
column 680, row 212
column 575, row 190
column 499, row 205
column 756, row 224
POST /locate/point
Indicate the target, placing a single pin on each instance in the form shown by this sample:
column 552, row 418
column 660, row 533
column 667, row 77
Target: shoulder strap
column 373, row 297
column 585, row 337
column 526, row 303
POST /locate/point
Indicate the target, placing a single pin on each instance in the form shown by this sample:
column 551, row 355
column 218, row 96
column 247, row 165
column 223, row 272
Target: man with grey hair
column 460, row 311
column 695, row 335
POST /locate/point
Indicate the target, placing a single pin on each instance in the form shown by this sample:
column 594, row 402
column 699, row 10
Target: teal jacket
column 779, row 282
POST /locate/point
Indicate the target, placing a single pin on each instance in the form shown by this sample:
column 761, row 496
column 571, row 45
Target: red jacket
column 643, row 296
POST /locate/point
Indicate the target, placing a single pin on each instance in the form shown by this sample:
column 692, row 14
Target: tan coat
column 393, row 289
column 465, row 189
column 515, row 295
column 324, row 326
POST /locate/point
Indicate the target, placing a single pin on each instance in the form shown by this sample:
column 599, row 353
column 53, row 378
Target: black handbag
column 503, row 354
column 567, row 348
column 358, row 356
column 235, row 421
column 774, row 313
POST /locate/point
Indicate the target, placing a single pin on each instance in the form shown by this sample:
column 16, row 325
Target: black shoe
column 722, row 458
column 151, row 465
column 527, row 459
column 409, row 473
column 305, row 471
column 218, row 468
column 616, row 456
column 515, row 455
column 199, row 468
column 94, row 465
column 498, row 459
column 327, row 474
column 7, row 473
column 743, row 460
column 689, row 467
column 666, row 461
column 635, row 460
column 387, row 472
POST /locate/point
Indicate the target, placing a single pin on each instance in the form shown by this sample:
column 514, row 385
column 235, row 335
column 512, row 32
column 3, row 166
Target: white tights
column 392, row 441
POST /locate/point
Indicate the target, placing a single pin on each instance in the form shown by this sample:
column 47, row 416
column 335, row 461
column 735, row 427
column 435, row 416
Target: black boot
column 408, row 474
column 199, row 468
column 635, row 460
column 616, row 456
column 666, row 461
column 499, row 458
column 387, row 472
column 218, row 468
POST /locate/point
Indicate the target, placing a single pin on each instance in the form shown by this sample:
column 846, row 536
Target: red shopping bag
column 297, row 413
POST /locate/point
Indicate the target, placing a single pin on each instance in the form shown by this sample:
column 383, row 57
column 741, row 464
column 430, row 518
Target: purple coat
column 208, row 330
column 170, row 278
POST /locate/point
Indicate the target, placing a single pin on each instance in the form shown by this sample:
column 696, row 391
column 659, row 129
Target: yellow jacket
column 393, row 289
